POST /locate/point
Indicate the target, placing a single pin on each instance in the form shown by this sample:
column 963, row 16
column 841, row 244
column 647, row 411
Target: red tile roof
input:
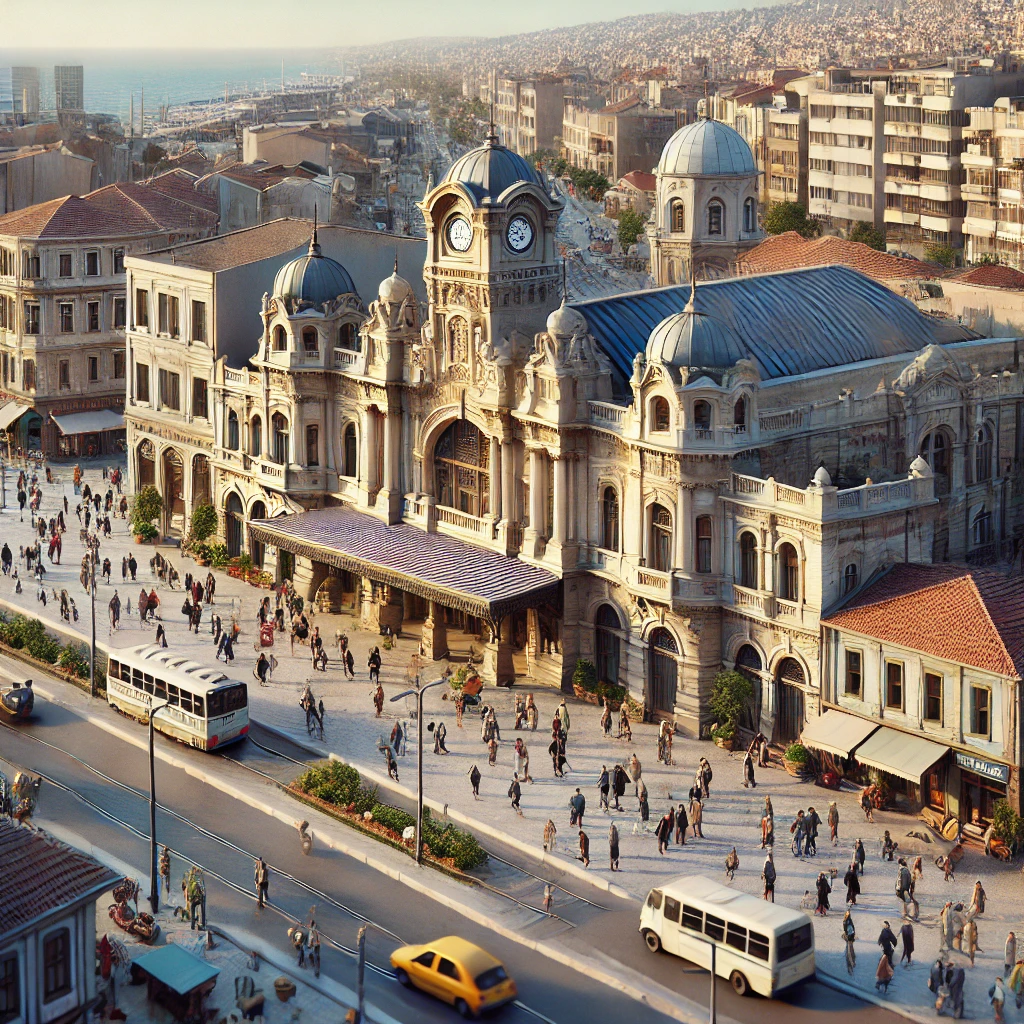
column 791, row 251
column 40, row 874
column 974, row 617
column 180, row 184
column 642, row 180
column 993, row 276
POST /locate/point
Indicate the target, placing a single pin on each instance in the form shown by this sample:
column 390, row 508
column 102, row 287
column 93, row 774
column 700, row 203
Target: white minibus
column 204, row 708
column 759, row 946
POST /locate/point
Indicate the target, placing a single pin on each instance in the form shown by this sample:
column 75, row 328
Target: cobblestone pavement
column 731, row 816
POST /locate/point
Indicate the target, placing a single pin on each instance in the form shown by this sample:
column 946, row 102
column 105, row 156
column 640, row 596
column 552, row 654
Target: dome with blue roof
column 693, row 339
column 313, row 279
column 707, row 147
column 490, row 169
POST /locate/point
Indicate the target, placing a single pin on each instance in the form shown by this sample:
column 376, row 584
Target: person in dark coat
column 858, row 856
column 768, row 876
column 907, row 938
column 619, row 780
column 887, row 941
column 474, row 780
column 852, row 883
column 682, row 824
column 515, row 793
column 955, row 983
column 613, row 846
column 936, row 978
column 584, row 849
column 664, row 831
column 748, row 772
column 823, row 893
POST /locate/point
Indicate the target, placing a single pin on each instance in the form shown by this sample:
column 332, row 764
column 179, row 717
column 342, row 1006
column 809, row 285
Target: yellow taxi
column 456, row 971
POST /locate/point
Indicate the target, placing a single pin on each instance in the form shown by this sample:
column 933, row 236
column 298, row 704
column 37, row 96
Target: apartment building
column 627, row 136
column 785, row 171
column 926, row 113
column 845, row 171
column 63, row 310
column 528, row 112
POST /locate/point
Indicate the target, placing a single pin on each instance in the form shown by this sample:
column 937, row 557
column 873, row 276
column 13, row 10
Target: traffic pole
column 361, row 974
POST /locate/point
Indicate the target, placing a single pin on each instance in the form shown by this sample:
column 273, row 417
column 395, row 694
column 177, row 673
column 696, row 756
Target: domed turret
column 394, row 289
column 313, row 279
column 707, row 147
column 565, row 321
column 490, row 169
column 695, row 339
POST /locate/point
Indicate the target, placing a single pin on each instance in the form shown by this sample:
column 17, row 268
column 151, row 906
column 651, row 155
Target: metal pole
column 360, row 975
column 154, row 889
column 92, row 645
column 419, row 773
column 713, row 1018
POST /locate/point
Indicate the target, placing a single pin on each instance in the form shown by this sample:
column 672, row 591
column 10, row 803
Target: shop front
column 981, row 784
column 905, row 763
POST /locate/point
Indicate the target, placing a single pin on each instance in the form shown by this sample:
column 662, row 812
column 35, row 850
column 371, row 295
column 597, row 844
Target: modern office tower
column 69, row 91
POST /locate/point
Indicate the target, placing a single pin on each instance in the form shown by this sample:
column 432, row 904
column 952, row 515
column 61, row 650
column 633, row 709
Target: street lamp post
column 93, row 544
column 419, row 691
column 154, row 885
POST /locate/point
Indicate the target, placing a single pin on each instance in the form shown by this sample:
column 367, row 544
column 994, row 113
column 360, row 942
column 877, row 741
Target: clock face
column 519, row 234
column 460, row 234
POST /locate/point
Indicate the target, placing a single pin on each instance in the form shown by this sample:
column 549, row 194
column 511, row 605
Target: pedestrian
column 584, row 849
column 917, row 870
column 797, row 830
column 492, row 751
column 767, row 831
column 948, row 869
column 227, row 643
column 515, row 793
column 887, row 940
column 705, row 776
column 133, row 566
column 606, row 718
column 474, row 780
column 619, row 780
column 768, row 877
column 947, row 927
column 903, row 883
column 682, row 824
column 396, row 736
column 373, row 663
column 549, row 836
column 644, row 808
column 977, row 907
column 937, row 984
column 625, row 731
column 557, row 758
column 664, row 832
column 997, row 996
column 663, row 729
column 520, row 712
column 389, row 761
column 1009, row 956
column 549, row 896
column 907, row 938
column 165, row 872
column 883, row 973
column 577, row 808
column 859, row 856
column 161, row 636
column 350, row 664
column 297, row 937
column 748, row 772
column 378, row 698
column 833, row 822
column 865, row 803
column 852, row 883
column 124, row 569
column 532, row 715
column 523, row 760
column 6, row 559
column 439, row 736
column 955, row 978
column 970, row 939
column 613, row 846
column 562, row 713
column 849, row 938
column 889, row 847
column 697, row 817
column 732, row 863
column 811, row 826
column 261, row 877
column 1016, row 982
column 823, row 890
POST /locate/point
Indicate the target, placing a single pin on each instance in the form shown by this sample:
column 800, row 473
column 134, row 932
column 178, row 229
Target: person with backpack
column 768, row 876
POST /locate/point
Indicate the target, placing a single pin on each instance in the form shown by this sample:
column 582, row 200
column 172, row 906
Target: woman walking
column 833, row 822
column 823, row 893
column 849, row 937
column 768, row 877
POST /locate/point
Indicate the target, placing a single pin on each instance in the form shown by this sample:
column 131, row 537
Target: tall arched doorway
column 234, row 524
column 609, row 643
column 748, row 662
column 256, row 551
column 200, row 481
column 789, row 701
column 461, row 469
column 146, row 463
column 173, row 470
column 664, row 672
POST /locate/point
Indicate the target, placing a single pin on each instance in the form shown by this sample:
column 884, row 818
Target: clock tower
column 491, row 269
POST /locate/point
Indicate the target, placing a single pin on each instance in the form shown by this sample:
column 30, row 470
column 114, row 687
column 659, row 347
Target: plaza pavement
column 731, row 815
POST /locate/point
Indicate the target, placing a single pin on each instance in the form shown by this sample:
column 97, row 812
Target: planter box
column 593, row 698
column 798, row 769
column 725, row 744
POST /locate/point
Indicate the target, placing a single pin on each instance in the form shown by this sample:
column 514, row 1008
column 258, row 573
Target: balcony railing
column 606, row 414
column 463, row 522
column 753, row 600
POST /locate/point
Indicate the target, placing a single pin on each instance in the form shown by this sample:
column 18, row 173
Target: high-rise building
column 19, row 91
column 68, row 87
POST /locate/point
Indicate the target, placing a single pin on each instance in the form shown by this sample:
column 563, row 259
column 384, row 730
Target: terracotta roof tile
column 970, row 616
column 180, row 184
column 993, row 276
column 641, row 180
column 790, row 251
column 237, row 248
column 41, row 874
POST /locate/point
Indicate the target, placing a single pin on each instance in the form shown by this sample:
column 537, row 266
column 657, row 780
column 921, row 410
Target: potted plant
column 797, row 760
column 146, row 506
column 204, row 525
column 584, row 681
column 731, row 693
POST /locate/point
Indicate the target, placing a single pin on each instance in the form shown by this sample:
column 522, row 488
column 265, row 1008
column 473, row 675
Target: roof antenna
column 707, row 100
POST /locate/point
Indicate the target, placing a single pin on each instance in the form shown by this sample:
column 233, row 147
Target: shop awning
column 178, row 969
column 10, row 412
column 837, row 732
column 900, row 753
column 94, row 422
column 454, row 573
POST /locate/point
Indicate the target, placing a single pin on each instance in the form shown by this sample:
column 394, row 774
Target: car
column 456, row 971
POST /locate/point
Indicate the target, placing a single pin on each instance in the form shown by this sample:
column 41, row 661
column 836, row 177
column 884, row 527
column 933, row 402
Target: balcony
column 758, row 602
column 607, row 415
column 698, row 588
column 461, row 524
column 652, row 583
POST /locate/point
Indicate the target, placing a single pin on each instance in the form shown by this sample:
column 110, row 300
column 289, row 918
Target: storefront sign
column 987, row 769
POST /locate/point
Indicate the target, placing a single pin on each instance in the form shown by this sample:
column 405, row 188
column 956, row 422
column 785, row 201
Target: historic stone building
column 663, row 482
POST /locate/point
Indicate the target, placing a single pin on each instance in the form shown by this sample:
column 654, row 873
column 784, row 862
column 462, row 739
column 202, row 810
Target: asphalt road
column 552, row 990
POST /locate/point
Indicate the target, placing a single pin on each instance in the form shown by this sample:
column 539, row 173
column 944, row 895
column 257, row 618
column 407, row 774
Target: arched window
column 256, row 549
column 983, row 453
column 348, row 337
column 256, row 437
column 279, row 430
column 739, row 416
column 664, row 671
column 350, row 451
column 982, row 528
column 748, row 561
column 310, row 341
column 280, row 339
column 608, row 644
column 461, row 469
column 851, row 577
column 678, row 215
column 661, row 538
column 147, row 463
column 458, row 340
column 750, row 215
column 610, row 519
column 232, row 438
column 661, row 417
column 702, row 542
column 716, row 218
column 935, row 451
column 233, row 521
column 789, row 573
column 702, row 415
column 201, row 480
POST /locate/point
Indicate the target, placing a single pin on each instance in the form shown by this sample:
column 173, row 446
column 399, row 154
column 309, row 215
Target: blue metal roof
column 180, row 970
column 692, row 338
column 707, row 147
column 490, row 169
column 790, row 322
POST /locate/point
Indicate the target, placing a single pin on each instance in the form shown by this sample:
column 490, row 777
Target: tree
column 631, row 227
column 589, row 183
column 944, row 255
column 863, row 232
column 146, row 506
column 559, row 167
column 730, row 694
column 204, row 522
column 782, row 217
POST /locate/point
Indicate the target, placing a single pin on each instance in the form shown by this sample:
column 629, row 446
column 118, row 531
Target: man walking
column 584, row 849
column 515, row 792
column 603, row 785
column 613, row 846
column 261, row 877
column 577, row 807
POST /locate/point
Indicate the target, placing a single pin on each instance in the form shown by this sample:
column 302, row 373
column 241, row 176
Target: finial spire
column 691, row 305
column 492, row 135
column 565, row 287
column 314, row 245
column 396, row 261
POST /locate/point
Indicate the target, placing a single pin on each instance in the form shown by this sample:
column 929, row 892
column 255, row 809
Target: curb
column 870, row 997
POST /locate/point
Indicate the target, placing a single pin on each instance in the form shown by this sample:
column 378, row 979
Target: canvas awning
column 900, row 753
column 93, row 422
column 11, row 412
column 837, row 732
column 453, row 572
column 177, row 968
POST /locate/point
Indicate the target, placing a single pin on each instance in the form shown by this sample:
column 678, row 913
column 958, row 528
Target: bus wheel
column 653, row 942
column 739, row 983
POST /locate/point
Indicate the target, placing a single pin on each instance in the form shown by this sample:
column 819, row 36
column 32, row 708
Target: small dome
column 821, row 478
column 394, row 289
column 490, row 169
column 707, row 147
column 565, row 321
column 695, row 339
column 919, row 467
column 313, row 279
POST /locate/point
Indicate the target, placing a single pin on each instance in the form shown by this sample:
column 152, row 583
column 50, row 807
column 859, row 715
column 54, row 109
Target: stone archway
column 256, row 547
column 789, row 701
column 172, row 469
column 663, row 675
column 145, row 465
column 234, row 524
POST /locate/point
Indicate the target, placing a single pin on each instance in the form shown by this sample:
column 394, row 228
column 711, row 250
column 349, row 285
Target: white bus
column 759, row 946
column 204, row 708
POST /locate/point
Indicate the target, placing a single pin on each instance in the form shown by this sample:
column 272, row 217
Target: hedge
column 22, row 633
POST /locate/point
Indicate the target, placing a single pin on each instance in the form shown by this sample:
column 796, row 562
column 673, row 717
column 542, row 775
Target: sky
column 229, row 24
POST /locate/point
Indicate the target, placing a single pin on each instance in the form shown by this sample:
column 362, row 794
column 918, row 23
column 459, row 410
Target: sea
column 170, row 76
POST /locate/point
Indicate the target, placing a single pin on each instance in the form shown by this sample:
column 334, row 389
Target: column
column 508, row 482
column 494, row 477
column 537, row 484
column 390, row 444
column 561, row 484
column 497, row 666
column 684, row 530
column 435, row 634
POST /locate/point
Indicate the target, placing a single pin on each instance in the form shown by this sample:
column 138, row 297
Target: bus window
column 161, row 688
column 172, row 694
column 791, row 944
column 197, row 706
column 671, row 909
column 114, row 669
column 736, row 937
column 693, row 918
column 714, row 927
column 137, row 678
column 235, row 698
column 186, row 701
column 758, row 945
column 126, row 673
column 654, row 899
column 215, row 702
column 148, row 682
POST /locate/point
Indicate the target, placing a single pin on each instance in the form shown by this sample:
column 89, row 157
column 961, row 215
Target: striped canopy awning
column 456, row 574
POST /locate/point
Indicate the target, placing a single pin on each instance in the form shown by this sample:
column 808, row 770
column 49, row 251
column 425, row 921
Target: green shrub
column 797, row 752
column 723, row 732
column 731, row 693
column 204, row 522
column 217, row 555
column 1007, row 824
column 585, row 675
column 74, row 660
column 332, row 781
column 448, row 841
column 393, row 817
column 365, row 799
column 147, row 531
column 146, row 506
